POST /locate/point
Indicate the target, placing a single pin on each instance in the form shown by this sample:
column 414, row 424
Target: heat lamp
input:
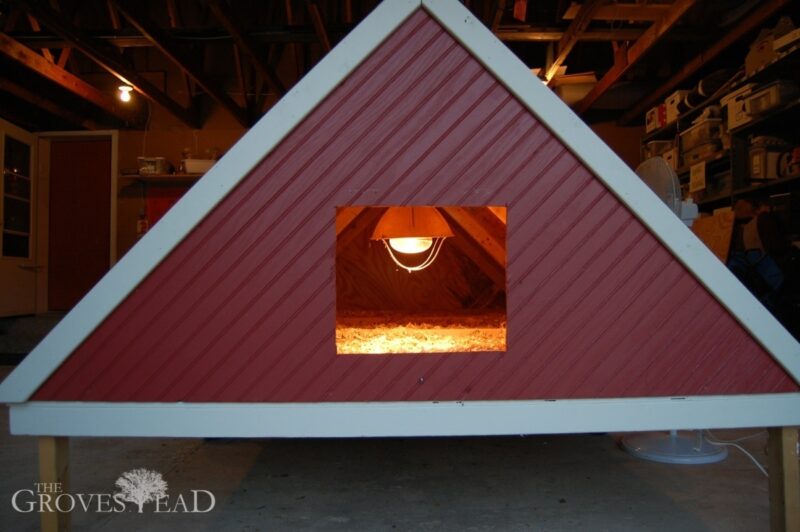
column 408, row 232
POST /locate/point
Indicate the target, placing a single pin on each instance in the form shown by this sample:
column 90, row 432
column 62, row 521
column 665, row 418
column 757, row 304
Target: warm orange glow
column 411, row 244
column 465, row 334
column 404, row 339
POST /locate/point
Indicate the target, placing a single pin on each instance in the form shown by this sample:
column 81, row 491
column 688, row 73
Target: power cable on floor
column 713, row 441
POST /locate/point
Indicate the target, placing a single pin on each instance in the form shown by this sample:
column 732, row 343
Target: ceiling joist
column 247, row 46
column 570, row 38
column 552, row 35
column 35, row 27
column 167, row 46
column 108, row 60
column 497, row 16
column 319, row 26
column 33, row 61
column 629, row 56
column 25, row 94
column 638, row 12
column 746, row 25
column 484, row 228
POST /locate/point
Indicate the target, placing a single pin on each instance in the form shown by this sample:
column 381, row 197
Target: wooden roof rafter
column 747, row 24
column 319, row 25
column 139, row 20
column 497, row 15
column 542, row 34
column 37, row 28
column 107, row 60
column 475, row 239
column 36, row 99
column 616, row 11
column 629, row 56
column 570, row 38
column 247, row 46
column 188, row 84
column 69, row 82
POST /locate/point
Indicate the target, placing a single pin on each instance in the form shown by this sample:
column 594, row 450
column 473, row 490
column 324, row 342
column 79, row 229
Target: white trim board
column 450, row 418
column 305, row 96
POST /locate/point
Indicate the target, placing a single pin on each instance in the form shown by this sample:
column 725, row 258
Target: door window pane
column 16, row 199
column 16, row 215
column 17, row 186
column 15, row 245
column 17, row 157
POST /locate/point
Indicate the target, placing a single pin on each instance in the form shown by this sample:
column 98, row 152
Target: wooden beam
column 634, row 53
column 66, row 51
column 498, row 14
column 64, row 79
column 746, row 25
column 553, row 34
column 247, row 46
column 570, row 37
column 468, row 244
column 172, row 13
column 348, row 11
column 53, row 480
column 500, row 212
column 63, row 57
column 113, row 16
column 139, row 20
column 35, row 27
column 296, row 48
column 622, row 12
column 784, row 479
column 241, row 76
column 39, row 101
column 174, row 22
column 364, row 220
column 319, row 26
column 484, row 228
column 127, row 38
column 108, row 60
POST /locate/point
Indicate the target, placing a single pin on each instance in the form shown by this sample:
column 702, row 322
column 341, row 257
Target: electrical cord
column 732, row 443
column 737, row 440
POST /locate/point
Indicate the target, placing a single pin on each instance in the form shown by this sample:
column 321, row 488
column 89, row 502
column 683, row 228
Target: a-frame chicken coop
column 545, row 289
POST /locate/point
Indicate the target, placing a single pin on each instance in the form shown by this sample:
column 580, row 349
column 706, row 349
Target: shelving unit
column 730, row 167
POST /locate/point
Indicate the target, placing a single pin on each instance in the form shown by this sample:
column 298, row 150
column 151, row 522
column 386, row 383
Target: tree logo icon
column 141, row 486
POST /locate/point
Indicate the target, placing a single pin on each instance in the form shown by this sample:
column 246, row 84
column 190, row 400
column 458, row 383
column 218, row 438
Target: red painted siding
column 243, row 309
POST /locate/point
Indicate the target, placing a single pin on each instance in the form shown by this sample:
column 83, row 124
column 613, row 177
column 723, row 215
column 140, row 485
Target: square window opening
column 420, row 279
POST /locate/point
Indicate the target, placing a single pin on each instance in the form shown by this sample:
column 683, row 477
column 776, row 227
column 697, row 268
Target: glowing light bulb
column 125, row 93
column 411, row 245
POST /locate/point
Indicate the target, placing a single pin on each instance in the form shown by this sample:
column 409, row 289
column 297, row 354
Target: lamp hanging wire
column 432, row 254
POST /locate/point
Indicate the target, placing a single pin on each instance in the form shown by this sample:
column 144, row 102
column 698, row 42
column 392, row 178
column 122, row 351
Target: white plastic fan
column 663, row 180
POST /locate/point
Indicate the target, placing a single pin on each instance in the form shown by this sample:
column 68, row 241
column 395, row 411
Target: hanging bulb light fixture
column 412, row 231
column 125, row 92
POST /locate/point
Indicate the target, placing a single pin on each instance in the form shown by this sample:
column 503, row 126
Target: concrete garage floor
column 513, row 483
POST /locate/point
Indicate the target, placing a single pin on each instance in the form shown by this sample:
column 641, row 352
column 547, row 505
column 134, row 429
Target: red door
column 80, row 211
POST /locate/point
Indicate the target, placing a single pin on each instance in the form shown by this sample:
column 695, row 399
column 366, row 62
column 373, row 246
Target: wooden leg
column 53, row 480
column 784, row 480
